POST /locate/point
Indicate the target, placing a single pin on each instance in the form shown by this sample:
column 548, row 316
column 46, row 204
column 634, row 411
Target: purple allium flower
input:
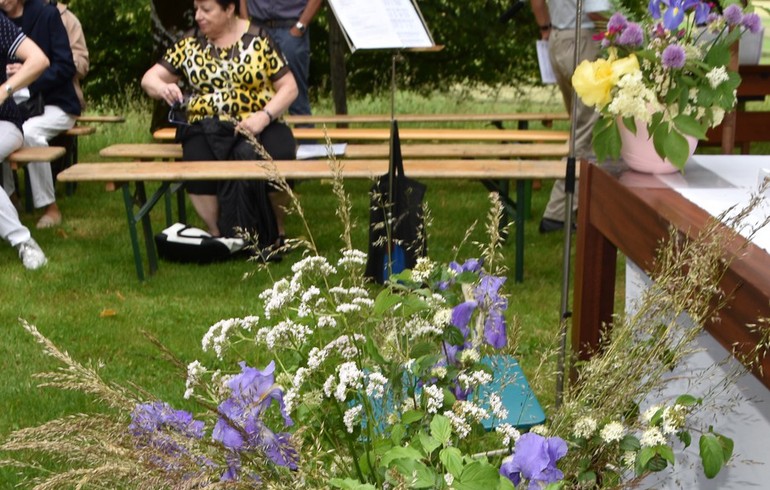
column 534, row 460
column 751, row 22
column 617, row 22
column 733, row 15
column 673, row 56
column 240, row 426
column 632, row 36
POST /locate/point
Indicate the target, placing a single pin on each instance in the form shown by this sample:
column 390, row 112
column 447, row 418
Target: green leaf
column 385, row 301
column 727, row 446
column 643, row 457
column 422, row 349
column 350, row 484
column 453, row 335
column 630, row 443
column 452, row 459
column 441, row 429
column 711, row 455
column 676, row 149
column 411, row 416
column 587, row 477
column 688, row 125
column 374, row 351
column 477, row 476
column 429, row 443
column 505, row 484
column 687, row 400
column 397, row 433
column 657, row 463
column 412, row 304
column 606, row 140
column 685, row 437
column 400, row 452
column 666, row 452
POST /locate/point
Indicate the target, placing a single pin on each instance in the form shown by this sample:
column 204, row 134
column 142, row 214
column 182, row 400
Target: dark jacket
column 42, row 23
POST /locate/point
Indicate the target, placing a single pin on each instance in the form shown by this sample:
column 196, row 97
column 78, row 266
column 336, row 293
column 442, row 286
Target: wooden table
column 621, row 210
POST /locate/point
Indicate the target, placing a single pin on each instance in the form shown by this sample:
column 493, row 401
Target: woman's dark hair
column 224, row 4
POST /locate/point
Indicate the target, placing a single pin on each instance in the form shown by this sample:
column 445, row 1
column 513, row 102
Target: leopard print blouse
column 235, row 81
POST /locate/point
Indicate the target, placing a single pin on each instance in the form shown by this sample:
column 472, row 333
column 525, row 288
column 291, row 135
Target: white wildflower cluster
column 276, row 297
column 612, row 432
column 352, row 258
column 216, row 337
column 633, row 98
column 648, row 414
column 435, row 398
column 474, row 379
column 717, row 76
column 375, row 385
column 352, row 415
column 463, row 414
column 194, row 372
column 420, row 327
column 469, row 357
column 422, row 269
column 585, row 427
column 350, row 377
column 326, row 321
column 439, row 372
column 510, row 433
column 351, row 299
column 315, row 265
column 673, row 418
column 310, row 300
column 498, row 409
column 408, row 404
column 449, row 479
column 409, row 366
column 652, row 437
column 286, row 334
column 443, row 317
column 541, row 430
column 345, row 346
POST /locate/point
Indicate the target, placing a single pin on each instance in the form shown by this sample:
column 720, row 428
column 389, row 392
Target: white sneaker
column 31, row 254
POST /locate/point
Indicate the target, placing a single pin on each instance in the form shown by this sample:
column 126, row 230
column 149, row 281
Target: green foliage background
column 479, row 50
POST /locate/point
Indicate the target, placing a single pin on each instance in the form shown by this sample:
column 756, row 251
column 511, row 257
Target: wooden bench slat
column 173, row 151
column 441, row 118
column 88, row 118
column 80, row 131
column 309, row 169
column 383, row 134
column 36, row 154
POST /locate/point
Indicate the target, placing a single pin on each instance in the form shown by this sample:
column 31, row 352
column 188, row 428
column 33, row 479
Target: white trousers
column 11, row 228
column 38, row 131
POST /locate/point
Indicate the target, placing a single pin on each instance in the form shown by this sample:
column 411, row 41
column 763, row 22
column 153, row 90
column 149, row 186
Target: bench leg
column 142, row 215
column 128, row 200
column 521, row 198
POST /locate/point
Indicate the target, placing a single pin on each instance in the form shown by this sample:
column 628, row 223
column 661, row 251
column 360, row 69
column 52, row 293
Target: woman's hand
column 171, row 93
column 255, row 123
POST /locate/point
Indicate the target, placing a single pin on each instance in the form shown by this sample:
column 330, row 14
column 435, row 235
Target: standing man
column 557, row 20
column 287, row 24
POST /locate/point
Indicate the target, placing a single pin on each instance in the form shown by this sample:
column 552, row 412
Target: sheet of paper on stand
column 546, row 70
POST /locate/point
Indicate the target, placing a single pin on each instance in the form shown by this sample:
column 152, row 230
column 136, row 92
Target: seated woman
column 235, row 73
column 13, row 43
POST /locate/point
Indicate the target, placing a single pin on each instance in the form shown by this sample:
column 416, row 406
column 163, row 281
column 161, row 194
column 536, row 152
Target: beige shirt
column 78, row 46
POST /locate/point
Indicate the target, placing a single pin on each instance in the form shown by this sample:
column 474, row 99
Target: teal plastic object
column 524, row 410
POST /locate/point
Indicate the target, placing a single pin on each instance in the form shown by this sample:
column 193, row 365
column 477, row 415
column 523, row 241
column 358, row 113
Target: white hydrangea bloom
column 612, row 432
column 717, row 76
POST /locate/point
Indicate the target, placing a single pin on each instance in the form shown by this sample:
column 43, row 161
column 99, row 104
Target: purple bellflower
column 488, row 300
column 534, row 461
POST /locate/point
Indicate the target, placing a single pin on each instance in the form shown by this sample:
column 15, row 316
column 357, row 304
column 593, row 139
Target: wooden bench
column 173, row 151
column 496, row 119
column 96, row 118
column 25, row 155
column 417, row 134
column 120, row 174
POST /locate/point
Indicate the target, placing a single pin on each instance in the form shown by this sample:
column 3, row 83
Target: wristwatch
column 300, row 27
column 8, row 89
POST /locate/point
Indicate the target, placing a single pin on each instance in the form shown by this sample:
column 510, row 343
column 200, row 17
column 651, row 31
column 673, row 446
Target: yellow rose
column 593, row 81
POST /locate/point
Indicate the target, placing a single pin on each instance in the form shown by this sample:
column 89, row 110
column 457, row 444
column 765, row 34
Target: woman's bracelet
column 269, row 115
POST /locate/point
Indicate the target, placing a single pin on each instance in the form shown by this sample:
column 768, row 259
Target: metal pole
column 569, row 194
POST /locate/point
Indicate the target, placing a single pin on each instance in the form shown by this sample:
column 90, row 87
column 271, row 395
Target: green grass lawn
column 89, row 302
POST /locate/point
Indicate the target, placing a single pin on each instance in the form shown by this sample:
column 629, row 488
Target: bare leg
column 279, row 201
column 207, row 207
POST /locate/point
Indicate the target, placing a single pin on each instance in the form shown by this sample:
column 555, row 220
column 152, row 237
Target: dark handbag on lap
column 32, row 107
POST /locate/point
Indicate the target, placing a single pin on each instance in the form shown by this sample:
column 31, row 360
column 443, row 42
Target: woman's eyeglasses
column 177, row 114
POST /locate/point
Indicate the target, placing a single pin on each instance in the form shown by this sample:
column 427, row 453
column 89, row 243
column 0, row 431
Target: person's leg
column 203, row 195
column 37, row 132
column 279, row 142
column 11, row 228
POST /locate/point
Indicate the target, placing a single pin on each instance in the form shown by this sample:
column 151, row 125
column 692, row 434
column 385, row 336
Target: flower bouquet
column 668, row 72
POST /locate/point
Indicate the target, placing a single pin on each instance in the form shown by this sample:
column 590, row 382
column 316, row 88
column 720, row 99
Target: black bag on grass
column 182, row 243
column 397, row 196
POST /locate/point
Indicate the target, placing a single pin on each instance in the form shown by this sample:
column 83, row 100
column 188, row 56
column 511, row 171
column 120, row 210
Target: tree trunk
column 338, row 73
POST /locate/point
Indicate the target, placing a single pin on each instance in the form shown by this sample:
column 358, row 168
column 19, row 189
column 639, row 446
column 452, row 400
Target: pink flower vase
column 638, row 151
